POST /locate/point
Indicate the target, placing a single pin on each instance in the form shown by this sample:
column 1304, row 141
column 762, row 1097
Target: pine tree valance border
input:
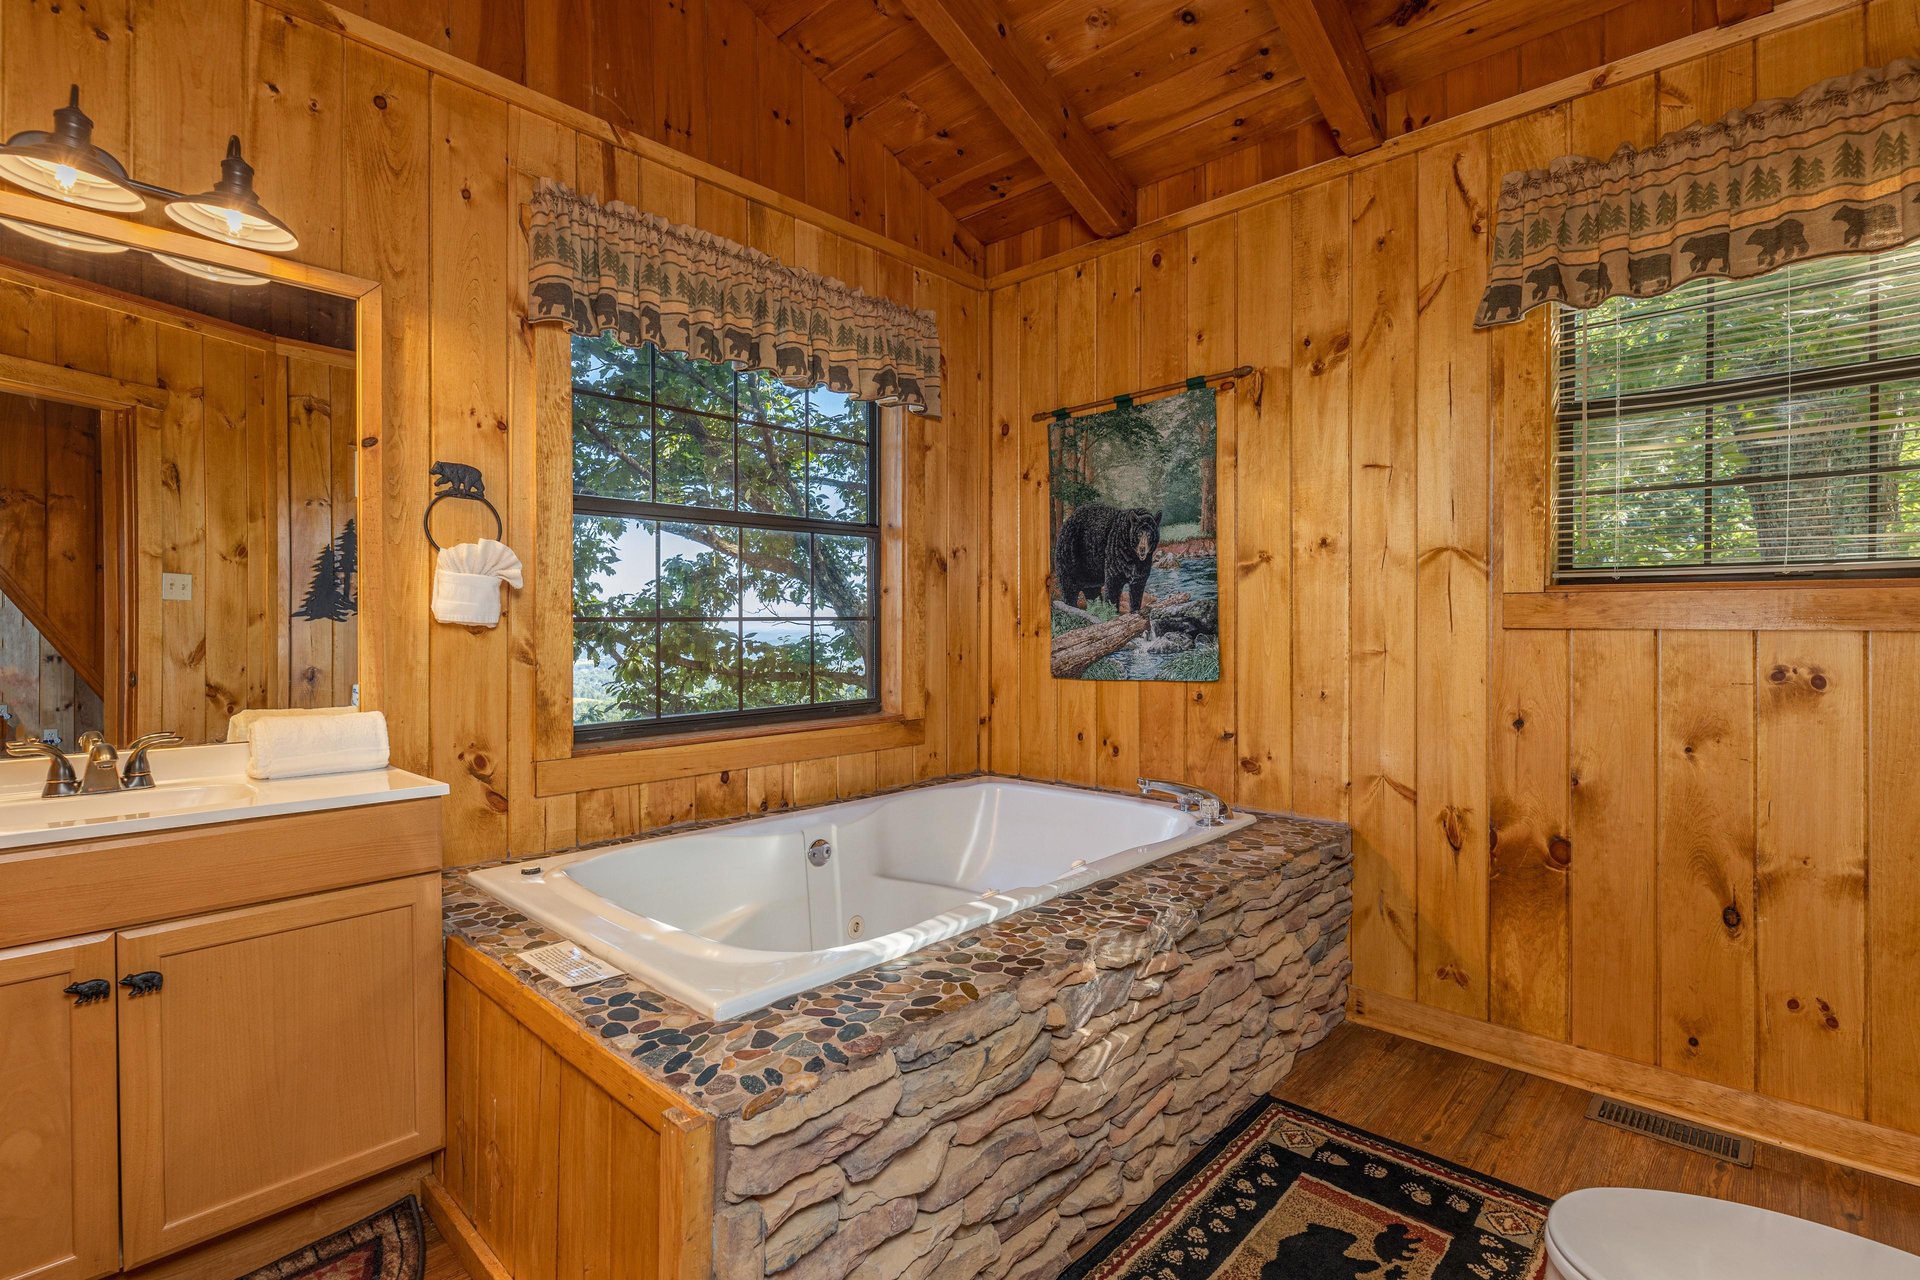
column 1832, row 171
column 600, row 268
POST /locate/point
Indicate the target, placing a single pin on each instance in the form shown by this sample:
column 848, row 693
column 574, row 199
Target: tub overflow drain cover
column 818, row 852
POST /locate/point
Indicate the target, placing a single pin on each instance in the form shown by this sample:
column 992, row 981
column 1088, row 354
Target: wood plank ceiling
column 1027, row 114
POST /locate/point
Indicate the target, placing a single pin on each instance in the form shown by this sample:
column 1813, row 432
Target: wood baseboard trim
column 252, row 1247
column 460, row 1234
column 1844, row 1140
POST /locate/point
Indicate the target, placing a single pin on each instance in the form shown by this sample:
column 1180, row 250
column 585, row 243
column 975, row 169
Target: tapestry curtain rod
column 1186, row 384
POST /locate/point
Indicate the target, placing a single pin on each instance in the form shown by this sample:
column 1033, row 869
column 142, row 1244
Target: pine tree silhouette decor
column 334, row 593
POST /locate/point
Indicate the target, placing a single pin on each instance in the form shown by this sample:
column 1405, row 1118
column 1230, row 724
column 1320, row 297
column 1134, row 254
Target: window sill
column 689, row 755
column 1878, row 604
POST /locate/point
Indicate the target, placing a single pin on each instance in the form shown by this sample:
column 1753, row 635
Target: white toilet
column 1625, row 1233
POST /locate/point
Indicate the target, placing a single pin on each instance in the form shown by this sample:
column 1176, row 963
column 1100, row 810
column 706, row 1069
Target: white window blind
column 1744, row 429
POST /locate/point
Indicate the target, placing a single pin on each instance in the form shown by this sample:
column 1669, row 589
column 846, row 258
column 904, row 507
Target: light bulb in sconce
column 65, row 164
column 64, row 239
column 212, row 271
column 231, row 212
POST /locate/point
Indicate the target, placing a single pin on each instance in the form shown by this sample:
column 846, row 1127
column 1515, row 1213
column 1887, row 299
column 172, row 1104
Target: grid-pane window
column 1744, row 429
column 725, row 545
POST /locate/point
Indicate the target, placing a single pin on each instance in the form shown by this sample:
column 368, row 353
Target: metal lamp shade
column 231, row 213
column 63, row 163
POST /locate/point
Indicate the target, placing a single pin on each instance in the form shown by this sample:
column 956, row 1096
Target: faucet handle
column 61, row 780
column 137, row 774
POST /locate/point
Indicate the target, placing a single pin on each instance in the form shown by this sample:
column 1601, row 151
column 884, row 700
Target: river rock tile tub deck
column 986, row 1108
column 742, row 1066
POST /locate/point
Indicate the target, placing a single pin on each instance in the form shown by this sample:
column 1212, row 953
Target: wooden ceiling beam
column 980, row 41
column 1337, row 69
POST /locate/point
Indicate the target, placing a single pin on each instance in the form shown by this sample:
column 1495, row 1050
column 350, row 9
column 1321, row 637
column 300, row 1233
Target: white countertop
column 221, row 765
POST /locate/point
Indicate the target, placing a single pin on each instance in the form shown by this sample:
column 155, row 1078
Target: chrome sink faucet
column 103, row 765
column 1207, row 808
column 103, row 771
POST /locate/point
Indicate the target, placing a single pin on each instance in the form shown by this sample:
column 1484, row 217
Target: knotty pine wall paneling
column 704, row 77
column 399, row 165
column 1678, row 854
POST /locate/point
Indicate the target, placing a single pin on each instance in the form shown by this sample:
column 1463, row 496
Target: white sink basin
column 194, row 787
column 33, row 813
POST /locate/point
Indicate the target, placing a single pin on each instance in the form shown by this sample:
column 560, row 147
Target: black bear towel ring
column 458, row 480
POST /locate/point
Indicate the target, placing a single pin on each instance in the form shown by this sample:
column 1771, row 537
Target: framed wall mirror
column 185, row 432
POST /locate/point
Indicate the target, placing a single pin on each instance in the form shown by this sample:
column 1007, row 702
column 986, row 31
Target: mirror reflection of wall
column 52, row 581
column 168, row 561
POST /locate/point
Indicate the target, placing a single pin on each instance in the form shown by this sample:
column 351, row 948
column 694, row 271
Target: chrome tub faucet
column 1208, row 809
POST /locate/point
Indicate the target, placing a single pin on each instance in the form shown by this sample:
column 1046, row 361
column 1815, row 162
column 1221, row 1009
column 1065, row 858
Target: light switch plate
column 176, row 586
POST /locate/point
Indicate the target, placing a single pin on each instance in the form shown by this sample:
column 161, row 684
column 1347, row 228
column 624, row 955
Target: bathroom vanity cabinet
column 203, row 1029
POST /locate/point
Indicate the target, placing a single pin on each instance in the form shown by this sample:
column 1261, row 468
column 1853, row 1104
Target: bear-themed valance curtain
column 602, row 268
column 1832, row 171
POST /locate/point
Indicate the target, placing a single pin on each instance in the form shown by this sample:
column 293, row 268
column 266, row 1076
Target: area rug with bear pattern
column 1285, row 1194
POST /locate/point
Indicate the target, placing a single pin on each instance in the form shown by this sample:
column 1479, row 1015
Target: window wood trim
column 1523, row 430
column 563, row 767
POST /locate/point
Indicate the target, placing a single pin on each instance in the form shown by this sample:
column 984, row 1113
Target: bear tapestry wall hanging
column 1135, row 594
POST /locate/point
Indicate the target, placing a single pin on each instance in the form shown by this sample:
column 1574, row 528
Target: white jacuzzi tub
column 732, row 918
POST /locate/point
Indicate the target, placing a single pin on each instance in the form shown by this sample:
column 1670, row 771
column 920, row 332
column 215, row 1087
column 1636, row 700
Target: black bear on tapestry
column 1106, row 553
column 333, row 595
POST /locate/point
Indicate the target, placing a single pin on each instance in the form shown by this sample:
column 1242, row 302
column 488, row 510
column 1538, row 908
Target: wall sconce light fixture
column 231, row 212
column 64, row 164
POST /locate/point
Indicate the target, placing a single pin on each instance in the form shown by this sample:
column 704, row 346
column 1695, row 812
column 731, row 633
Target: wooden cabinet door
column 59, row 1181
column 282, row 1051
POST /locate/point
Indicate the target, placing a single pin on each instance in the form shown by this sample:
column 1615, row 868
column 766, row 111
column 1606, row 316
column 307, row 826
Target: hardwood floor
column 441, row 1264
column 1534, row 1133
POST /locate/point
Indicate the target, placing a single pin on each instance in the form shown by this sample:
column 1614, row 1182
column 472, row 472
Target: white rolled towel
column 466, row 582
column 241, row 725
column 307, row 746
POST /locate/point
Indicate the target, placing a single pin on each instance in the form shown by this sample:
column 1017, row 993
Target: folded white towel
column 467, row 578
column 305, row 746
column 243, row 721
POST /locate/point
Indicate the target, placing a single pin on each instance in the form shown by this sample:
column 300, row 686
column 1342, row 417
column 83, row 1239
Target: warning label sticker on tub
column 568, row 965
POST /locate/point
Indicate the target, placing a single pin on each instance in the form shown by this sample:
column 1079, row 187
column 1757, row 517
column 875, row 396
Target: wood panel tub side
column 561, row 1160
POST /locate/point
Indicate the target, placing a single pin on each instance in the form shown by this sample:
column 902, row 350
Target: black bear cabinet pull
column 93, row 989
column 142, row 984
column 458, row 480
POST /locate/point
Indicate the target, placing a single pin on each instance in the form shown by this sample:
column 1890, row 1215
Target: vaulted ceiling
column 1086, row 115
